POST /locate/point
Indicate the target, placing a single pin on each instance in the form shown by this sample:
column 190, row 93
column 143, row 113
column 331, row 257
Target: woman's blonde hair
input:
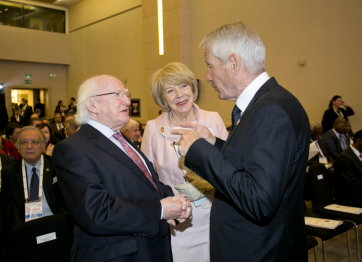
column 173, row 74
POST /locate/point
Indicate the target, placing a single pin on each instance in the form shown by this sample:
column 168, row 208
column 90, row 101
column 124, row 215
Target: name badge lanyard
column 25, row 183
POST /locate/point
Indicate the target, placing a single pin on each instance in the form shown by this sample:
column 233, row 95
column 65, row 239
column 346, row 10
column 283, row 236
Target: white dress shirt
column 247, row 95
column 29, row 173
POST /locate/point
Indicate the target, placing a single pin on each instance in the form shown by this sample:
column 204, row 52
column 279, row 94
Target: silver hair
column 130, row 123
column 30, row 128
column 314, row 124
column 85, row 91
column 240, row 39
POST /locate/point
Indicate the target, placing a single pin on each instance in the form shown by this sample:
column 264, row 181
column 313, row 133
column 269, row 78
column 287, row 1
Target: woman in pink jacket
column 174, row 89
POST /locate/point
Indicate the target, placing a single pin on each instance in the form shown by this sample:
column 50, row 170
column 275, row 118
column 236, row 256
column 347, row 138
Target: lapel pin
column 162, row 129
column 47, row 170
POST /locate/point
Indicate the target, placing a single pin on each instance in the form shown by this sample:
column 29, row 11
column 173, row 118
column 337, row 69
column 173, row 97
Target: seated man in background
column 16, row 118
column 316, row 147
column 132, row 131
column 35, row 121
column 335, row 140
column 71, row 127
column 60, row 134
column 35, row 115
column 57, row 124
column 14, row 193
column 45, row 120
column 348, row 170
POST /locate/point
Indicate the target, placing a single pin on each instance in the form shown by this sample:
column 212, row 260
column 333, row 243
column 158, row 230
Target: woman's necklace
column 191, row 121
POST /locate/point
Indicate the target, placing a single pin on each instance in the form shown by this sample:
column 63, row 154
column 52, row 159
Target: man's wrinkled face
column 112, row 109
column 133, row 132
column 31, row 146
column 219, row 76
column 58, row 118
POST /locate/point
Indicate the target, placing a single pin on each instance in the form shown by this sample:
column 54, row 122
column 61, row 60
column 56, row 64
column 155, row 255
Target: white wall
column 326, row 32
column 114, row 46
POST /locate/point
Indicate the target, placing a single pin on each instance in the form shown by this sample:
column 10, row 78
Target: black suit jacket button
column 143, row 234
column 165, row 236
column 135, row 234
column 139, row 234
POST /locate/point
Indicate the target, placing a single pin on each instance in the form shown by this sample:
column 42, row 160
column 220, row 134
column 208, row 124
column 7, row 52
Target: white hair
column 130, row 123
column 240, row 39
column 85, row 91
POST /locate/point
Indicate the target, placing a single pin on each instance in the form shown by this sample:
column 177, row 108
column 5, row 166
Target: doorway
column 33, row 96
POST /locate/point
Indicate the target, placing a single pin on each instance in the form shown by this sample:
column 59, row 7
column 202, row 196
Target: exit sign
column 28, row 79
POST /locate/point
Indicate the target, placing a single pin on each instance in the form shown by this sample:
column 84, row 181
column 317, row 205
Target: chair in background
column 326, row 234
column 24, row 239
column 322, row 196
column 312, row 242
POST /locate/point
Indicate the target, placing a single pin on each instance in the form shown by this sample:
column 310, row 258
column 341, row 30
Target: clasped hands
column 177, row 207
column 188, row 137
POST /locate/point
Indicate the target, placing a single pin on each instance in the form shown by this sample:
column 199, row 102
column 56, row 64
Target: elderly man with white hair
column 132, row 131
column 120, row 207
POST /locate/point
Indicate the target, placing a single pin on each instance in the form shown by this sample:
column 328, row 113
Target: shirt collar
column 30, row 167
column 105, row 130
column 247, row 95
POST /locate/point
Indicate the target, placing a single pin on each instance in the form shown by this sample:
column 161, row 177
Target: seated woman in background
column 60, row 108
column 335, row 110
column 49, row 137
column 174, row 89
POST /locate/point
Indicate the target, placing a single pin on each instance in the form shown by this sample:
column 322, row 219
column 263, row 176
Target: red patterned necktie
column 360, row 156
column 135, row 157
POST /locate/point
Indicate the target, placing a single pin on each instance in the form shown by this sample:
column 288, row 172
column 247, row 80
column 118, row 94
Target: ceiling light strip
column 160, row 27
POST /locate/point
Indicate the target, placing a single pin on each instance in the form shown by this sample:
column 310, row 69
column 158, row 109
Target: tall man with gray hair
column 258, row 173
column 114, row 194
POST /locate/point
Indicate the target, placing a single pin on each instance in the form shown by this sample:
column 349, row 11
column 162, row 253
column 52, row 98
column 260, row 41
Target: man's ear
column 235, row 63
column 92, row 106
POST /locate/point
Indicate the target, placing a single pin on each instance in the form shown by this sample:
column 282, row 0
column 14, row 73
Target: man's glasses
column 32, row 142
column 118, row 94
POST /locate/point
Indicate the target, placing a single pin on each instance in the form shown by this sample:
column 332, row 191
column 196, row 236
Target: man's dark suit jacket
column 41, row 107
column 6, row 160
column 348, row 170
column 332, row 145
column 329, row 117
column 13, row 199
column 4, row 117
column 13, row 120
column 27, row 113
column 258, row 174
column 59, row 135
column 12, row 193
column 116, row 208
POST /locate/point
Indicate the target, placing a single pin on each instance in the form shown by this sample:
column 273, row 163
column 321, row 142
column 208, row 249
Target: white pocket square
column 55, row 180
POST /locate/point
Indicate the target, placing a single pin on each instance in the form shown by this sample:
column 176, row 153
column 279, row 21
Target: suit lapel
column 108, row 146
column 267, row 85
column 338, row 142
column 47, row 179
